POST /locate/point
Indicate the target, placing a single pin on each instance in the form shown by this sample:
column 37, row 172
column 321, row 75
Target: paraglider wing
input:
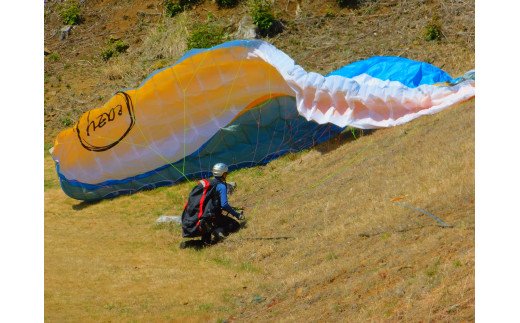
column 242, row 103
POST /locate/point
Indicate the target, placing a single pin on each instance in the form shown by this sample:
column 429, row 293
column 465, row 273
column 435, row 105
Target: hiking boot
column 221, row 236
column 206, row 241
column 218, row 235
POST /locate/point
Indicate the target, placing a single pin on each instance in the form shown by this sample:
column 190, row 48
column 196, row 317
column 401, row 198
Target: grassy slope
column 323, row 240
column 332, row 246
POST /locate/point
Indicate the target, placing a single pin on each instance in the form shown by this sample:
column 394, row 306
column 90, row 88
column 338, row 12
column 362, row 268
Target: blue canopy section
column 409, row 72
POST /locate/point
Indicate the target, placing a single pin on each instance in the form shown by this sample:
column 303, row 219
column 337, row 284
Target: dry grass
column 109, row 261
column 323, row 239
column 333, row 38
column 356, row 253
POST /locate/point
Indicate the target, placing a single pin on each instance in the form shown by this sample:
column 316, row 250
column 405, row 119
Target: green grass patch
column 248, row 267
column 433, row 270
column 172, row 8
column 114, row 47
column 227, row 3
column 206, row 35
column 70, row 13
column 348, row 3
column 222, row 261
column 170, row 226
column 54, row 57
column 50, row 183
column 205, row 307
column 331, row 256
column 66, row 121
column 189, row 3
column 107, row 54
column 50, row 180
column 457, row 263
column 292, row 156
column 433, row 30
column 47, row 146
column 174, row 197
column 249, row 172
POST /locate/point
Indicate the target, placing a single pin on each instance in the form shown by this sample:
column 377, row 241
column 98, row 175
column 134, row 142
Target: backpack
column 203, row 206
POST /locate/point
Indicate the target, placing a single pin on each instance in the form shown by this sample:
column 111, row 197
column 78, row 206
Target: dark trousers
column 221, row 224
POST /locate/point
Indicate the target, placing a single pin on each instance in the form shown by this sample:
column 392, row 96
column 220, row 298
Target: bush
column 70, row 13
column 348, row 3
column 172, row 8
column 205, row 36
column 263, row 18
column 188, row 3
column 433, row 31
column 54, row 57
column 227, row 3
column 66, row 121
column 115, row 47
column 107, row 54
column 120, row 46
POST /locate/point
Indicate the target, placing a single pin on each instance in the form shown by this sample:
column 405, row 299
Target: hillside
column 323, row 241
column 334, row 233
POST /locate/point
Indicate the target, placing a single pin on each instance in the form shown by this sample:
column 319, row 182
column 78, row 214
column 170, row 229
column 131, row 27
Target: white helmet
column 219, row 169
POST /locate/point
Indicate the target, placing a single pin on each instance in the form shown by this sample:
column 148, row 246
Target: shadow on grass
column 268, row 238
column 348, row 135
column 198, row 244
column 84, row 204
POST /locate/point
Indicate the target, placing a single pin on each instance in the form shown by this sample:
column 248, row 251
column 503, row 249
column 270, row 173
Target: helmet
column 219, row 169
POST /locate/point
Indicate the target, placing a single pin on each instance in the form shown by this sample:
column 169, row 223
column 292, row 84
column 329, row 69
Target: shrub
column 263, row 18
column 188, row 3
column 205, row 36
column 227, row 3
column 115, row 47
column 54, row 57
column 66, row 121
column 107, row 54
column 348, row 3
column 433, row 31
column 120, row 46
column 172, row 8
column 329, row 13
column 70, row 13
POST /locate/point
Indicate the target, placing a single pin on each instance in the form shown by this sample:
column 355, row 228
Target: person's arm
column 222, row 189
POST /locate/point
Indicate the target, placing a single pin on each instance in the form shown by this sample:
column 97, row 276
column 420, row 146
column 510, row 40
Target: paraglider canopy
column 242, row 103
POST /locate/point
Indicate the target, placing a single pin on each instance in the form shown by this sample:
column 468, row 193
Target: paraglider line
column 437, row 219
column 162, row 157
column 260, row 114
column 184, row 103
column 148, row 145
column 341, row 169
